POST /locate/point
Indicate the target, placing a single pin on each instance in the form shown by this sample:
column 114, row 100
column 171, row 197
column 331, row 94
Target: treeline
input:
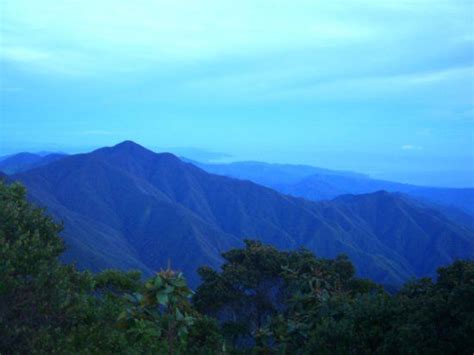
column 261, row 301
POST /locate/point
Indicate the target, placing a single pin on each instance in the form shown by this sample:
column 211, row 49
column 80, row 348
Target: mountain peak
column 125, row 147
column 128, row 145
column 121, row 151
column 129, row 150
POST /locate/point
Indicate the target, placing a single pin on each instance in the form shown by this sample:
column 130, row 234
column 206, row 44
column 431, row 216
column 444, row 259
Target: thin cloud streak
column 411, row 147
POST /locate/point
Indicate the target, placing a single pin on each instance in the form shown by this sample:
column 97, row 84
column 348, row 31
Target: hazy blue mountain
column 197, row 154
column 320, row 184
column 319, row 187
column 25, row 161
column 44, row 153
column 17, row 162
column 269, row 174
column 128, row 207
column 422, row 236
column 453, row 213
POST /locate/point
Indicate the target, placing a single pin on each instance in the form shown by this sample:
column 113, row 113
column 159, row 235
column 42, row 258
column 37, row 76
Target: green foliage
column 322, row 308
column 437, row 317
column 162, row 318
column 262, row 301
column 114, row 281
column 246, row 294
column 41, row 300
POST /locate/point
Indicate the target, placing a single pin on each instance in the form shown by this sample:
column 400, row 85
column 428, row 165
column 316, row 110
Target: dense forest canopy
column 262, row 300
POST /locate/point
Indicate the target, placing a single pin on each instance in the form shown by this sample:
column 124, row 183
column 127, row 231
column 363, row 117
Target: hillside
column 128, row 207
column 421, row 235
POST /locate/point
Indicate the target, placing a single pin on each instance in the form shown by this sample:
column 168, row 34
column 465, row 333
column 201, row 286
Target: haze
column 379, row 87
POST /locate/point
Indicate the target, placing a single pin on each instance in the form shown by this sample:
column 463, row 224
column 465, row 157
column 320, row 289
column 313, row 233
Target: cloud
column 307, row 83
column 164, row 31
column 22, row 54
column 425, row 132
column 411, row 147
column 98, row 133
column 10, row 89
column 111, row 36
column 47, row 61
column 383, row 86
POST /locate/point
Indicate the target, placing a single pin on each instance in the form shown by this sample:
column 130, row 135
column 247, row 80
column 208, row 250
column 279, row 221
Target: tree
column 321, row 313
column 162, row 317
column 41, row 300
column 246, row 294
column 276, row 300
column 437, row 317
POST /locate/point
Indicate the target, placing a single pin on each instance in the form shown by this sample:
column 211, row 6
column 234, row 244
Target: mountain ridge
column 159, row 208
column 24, row 161
column 328, row 185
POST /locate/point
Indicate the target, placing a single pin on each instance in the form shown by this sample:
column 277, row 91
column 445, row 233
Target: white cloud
column 425, row 132
column 117, row 35
column 10, row 89
column 411, row 147
column 22, row 54
column 98, row 133
column 309, row 83
column 170, row 30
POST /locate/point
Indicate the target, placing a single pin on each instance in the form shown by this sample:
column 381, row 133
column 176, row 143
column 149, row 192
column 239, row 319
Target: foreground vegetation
column 261, row 301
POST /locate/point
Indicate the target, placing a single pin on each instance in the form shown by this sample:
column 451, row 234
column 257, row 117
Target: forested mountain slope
column 128, row 207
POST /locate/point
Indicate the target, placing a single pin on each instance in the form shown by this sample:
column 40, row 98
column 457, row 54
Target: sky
column 379, row 87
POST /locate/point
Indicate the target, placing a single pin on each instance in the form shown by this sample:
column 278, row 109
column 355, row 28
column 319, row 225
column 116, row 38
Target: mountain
column 305, row 181
column 319, row 187
column 16, row 162
column 128, row 207
column 26, row 161
column 321, row 184
column 270, row 174
column 3, row 157
column 421, row 236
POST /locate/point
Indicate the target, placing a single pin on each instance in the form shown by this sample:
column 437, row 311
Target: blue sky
column 380, row 87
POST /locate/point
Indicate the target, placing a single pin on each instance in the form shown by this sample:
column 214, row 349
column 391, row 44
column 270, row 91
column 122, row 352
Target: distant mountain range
column 128, row 207
column 305, row 181
column 26, row 161
column 270, row 174
column 321, row 184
